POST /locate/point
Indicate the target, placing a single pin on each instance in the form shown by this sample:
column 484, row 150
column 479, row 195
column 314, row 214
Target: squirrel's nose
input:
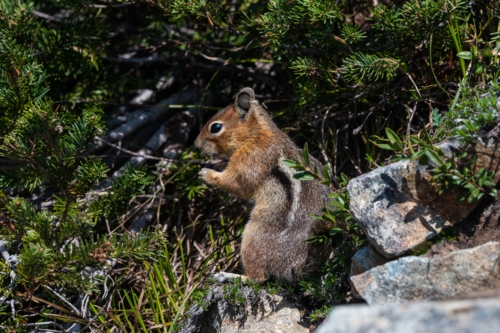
column 197, row 142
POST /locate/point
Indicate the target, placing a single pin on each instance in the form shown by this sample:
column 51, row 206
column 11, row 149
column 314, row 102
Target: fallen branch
column 141, row 118
column 62, row 299
column 11, row 262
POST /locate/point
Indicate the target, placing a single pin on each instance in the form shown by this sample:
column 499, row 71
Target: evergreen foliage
column 333, row 74
column 44, row 145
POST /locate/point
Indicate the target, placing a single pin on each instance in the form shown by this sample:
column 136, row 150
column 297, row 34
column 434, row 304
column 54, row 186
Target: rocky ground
column 431, row 265
column 416, row 275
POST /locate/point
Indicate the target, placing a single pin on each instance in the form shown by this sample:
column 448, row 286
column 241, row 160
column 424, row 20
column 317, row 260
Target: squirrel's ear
column 243, row 99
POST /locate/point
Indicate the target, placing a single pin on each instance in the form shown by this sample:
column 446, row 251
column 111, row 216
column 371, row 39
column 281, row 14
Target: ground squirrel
column 273, row 242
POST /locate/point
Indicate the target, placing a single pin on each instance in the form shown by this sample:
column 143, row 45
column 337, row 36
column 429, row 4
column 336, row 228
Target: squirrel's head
column 230, row 128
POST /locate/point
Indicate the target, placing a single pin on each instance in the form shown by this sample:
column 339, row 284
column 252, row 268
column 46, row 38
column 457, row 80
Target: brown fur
column 273, row 243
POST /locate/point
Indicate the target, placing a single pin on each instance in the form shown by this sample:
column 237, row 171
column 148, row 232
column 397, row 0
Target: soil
column 482, row 225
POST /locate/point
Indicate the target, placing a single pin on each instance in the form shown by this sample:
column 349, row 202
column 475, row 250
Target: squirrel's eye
column 215, row 128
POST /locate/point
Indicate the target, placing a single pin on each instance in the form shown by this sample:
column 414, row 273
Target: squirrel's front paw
column 205, row 175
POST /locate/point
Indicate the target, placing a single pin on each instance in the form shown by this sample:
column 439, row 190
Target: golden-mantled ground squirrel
column 273, row 244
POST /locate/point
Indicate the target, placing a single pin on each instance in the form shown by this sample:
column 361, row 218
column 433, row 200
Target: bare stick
column 12, row 262
column 322, row 144
column 412, row 113
column 62, row 299
column 13, row 308
column 45, row 323
column 3, row 250
column 91, row 321
column 47, row 16
column 379, row 104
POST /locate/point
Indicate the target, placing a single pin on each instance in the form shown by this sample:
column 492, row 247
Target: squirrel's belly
column 268, row 252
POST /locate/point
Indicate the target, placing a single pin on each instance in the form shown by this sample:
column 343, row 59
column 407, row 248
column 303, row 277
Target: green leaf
column 345, row 179
column 400, row 157
column 418, row 154
column 291, row 163
column 395, row 141
column 424, row 160
column 306, row 154
column 316, row 239
column 326, row 173
column 434, row 157
column 329, row 217
column 418, row 141
column 437, row 118
column 462, row 196
column 385, row 146
column 334, row 231
column 478, row 68
column 319, row 217
column 465, row 55
column 35, row 262
column 481, row 181
column 482, row 173
column 488, row 183
column 469, row 186
column 337, row 204
column 303, row 175
column 474, row 195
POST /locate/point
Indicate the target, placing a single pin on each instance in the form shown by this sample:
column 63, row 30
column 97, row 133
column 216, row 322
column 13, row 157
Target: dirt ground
column 481, row 226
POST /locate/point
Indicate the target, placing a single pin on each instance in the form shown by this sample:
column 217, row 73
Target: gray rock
column 465, row 316
column 259, row 313
column 398, row 207
column 276, row 315
column 415, row 278
column 363, row 260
